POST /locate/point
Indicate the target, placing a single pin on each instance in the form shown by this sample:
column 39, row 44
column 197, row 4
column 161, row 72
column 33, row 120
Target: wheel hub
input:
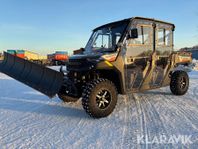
column 103, row 99
column 182, row 83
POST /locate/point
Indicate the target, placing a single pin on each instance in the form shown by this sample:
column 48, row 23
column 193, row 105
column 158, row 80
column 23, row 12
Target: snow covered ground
column 29, row 119
column 195, row 63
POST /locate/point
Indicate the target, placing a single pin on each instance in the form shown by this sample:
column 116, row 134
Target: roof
column 152, row 19
column 112, row 23
column 129, row 19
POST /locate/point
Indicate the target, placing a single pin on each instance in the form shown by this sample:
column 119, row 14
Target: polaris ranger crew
column 131, row 55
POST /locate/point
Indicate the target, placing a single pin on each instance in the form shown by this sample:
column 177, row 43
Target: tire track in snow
column 83, row 134
column 131, row 123
column 141, row 116
column 22, row 124
column 184, row 112
column 179, row 111
column 40, row 136
column 145, row 119
column 102, row 125
column 17, row 119
column 52, row 130
column 98, row 125
column 126, row 101
column 155, row 125
column 28, row 102
column 195, row 91
column 148, row 120
column 81, row 138
column 74, row 129
column 180, row 101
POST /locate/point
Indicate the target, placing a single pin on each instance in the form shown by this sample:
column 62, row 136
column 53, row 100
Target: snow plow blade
column 42, row 79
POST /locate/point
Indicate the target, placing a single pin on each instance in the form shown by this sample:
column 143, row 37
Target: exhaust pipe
column 40, row 78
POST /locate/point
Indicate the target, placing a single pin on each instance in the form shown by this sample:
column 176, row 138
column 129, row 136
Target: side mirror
column 133, row 33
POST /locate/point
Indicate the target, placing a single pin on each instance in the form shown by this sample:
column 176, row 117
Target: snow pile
column 4, row 76
column 195, row 64
column 57, row 68
column 190, row 67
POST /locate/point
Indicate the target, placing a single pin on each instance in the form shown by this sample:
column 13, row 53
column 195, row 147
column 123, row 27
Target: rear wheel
column 99, row 98
column 67, row 98
column 179, row 83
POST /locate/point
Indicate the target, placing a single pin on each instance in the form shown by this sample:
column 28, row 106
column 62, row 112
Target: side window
column 146, row 33
column 168, row 38
column 143, row 36
column 141, row 46
column 163, row 37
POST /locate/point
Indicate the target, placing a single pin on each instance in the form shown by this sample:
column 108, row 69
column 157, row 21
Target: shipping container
column 42, row 57
column 61, row 52
column 20, row 51
column 20, row 55
column 61, row 57
column 31, row 56
column 58, row 58
column 28, row 55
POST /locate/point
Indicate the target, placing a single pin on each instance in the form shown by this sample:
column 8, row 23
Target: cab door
column 163, row 50
column 138, row 57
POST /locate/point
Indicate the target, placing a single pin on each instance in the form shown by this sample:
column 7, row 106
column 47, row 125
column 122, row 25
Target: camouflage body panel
column 148, row 65
column 150, row 60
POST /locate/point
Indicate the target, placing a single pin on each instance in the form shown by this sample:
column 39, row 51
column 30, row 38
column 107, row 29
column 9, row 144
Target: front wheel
column 99, row 98
column 179, row 83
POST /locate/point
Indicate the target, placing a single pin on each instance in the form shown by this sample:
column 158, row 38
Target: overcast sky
column 47, row 25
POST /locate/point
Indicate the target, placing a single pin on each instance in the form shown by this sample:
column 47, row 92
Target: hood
column 83, row 62
column 89, row 56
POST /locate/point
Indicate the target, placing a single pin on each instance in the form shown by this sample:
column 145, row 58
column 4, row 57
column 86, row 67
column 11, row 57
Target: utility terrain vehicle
column 131, row 55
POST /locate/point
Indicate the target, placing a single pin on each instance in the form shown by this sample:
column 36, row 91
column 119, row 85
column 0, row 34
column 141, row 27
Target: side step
column 42, row 79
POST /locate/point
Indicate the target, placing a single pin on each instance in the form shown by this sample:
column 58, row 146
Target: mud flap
column 44, row 80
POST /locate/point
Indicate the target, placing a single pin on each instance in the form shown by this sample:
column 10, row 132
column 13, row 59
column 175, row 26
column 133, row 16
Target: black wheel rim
column 103, row 99
column 182, row 82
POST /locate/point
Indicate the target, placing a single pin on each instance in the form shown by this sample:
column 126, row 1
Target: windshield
column 106, row 38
